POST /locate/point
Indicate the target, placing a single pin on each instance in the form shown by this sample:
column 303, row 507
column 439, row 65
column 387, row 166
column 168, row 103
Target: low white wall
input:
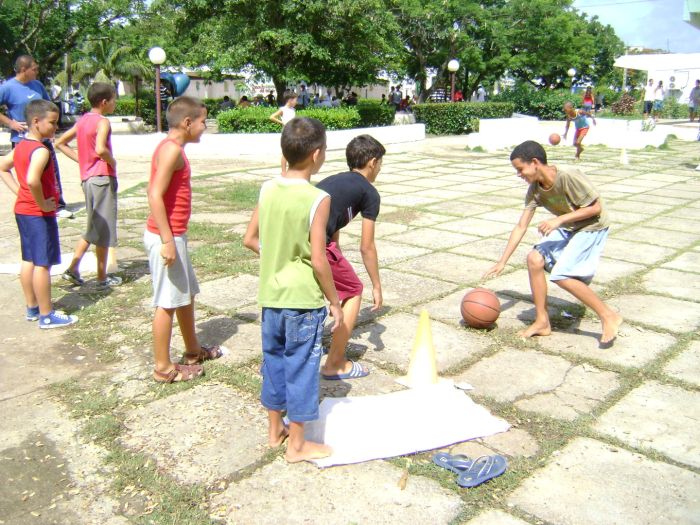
column 226, row 145
column 497, row 134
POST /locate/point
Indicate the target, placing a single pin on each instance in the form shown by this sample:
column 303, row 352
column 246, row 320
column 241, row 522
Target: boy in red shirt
column 165, row 239
column 98, row 175
column 35, row 211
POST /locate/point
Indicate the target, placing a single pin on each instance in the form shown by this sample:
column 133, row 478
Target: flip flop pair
column 472, row 472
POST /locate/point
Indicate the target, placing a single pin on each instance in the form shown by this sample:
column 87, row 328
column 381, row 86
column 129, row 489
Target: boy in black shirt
column 352, row 192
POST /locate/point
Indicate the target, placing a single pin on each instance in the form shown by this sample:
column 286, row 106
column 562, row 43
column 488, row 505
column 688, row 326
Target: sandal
column 206, row 353
column 186, row 372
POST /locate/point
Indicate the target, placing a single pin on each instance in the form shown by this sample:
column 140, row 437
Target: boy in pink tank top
column 98, row 175
column 174, row 282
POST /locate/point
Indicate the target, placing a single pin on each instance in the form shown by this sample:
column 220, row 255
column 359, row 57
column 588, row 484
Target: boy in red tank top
column 165, row 239
column 35, row 211
column 98, row 175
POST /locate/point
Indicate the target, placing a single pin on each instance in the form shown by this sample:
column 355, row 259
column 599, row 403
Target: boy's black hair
column 529, row 150
column 361, row 150
column 183, row 107
column 301, row 136
column 38, row 109
column 100, row 91
column 289, row 96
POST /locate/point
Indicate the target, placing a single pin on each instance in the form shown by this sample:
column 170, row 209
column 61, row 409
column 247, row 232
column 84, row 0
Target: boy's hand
column 168, row 252
column 378, row 299
column 494, row 271
column 337, row 313
column 48, row 204
column 547, row 227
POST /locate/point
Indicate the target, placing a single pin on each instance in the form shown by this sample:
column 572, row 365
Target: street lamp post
column 572, row 73
column 452, row 67
column 157, row 56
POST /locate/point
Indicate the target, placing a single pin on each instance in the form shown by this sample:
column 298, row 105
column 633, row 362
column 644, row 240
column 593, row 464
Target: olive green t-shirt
column 571, row 190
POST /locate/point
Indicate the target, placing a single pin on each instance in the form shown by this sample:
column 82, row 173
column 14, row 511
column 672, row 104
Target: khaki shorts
column 101, row 206
column 173, row 286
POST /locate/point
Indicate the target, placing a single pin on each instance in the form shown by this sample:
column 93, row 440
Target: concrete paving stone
column 389, row 252
column 518, row 314
column 687, row 262
column 623, row 188
column 625, row 218
column 366, row 493
column 408, row 200
column 592, row 483
column 684, row 192
column 611, row 269
column 229, row 292
column 664, row 312
column 661, row 417
column 660, row 237
column 390, row 340
column 517, row 283
column 473, row 226
column 496, row 517
column 634, row 346
column 540, row 383
column 684, row 285
column 686, row 365
column 432, row 238
column 199, row 435
column 377, row 382
column 672, row 223
column 459, row 208
column 636, row 252
column 465, row 177
column 507, row 215
column 221, row 217
column 423, row 218
column 647, row 208
column 382, row 229
column 491, row 250
column 402, row 289
column 242, row 339
column 514, row 443
column 431, row 182
column 691, row 214
column 471, row 449
column 659, row 198
column 446, row 267
column 401, row 189
column 443, row 194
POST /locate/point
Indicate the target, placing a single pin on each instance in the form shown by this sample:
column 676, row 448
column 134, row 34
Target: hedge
column 373, row 114
column 457, row 118
column 256, row 119
column 546, row 104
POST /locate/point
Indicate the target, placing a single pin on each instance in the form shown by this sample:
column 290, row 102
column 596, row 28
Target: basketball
column 480, row 308
column 554, row 139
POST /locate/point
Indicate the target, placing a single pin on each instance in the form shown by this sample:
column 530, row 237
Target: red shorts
column 347, row 283
column 580, row 132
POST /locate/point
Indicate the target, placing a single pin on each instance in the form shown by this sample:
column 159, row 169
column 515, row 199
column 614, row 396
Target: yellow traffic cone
column 112, row 265
column 422, row 368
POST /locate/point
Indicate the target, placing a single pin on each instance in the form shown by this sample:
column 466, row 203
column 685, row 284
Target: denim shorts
column 572, row 255
column 291, row 343
column 39, row 239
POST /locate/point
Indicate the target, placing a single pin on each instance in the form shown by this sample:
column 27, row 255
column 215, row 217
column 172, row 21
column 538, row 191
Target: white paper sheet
column 373, row 427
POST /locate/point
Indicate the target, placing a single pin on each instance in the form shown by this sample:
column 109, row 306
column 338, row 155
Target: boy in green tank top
column 288, row 231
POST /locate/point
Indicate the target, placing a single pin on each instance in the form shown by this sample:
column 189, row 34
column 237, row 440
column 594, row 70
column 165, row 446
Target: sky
column 655, row 24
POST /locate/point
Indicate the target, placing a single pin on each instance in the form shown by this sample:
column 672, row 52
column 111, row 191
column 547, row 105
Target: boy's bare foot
column 541, row 328
column 276, row 438
column 308, row 451
column 610, row 328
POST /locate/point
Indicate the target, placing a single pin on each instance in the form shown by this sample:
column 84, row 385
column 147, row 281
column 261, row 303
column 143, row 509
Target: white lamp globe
column 571, row 72
column 453, row 65
column 156, row 55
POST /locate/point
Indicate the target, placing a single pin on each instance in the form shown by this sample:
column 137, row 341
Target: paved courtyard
column 597, row 436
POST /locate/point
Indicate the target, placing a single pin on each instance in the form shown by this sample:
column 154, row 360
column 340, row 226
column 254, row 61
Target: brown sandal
column 207, row 353
column 186, row 372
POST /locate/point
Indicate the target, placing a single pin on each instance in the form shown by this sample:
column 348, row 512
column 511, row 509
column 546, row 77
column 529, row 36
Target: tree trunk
column 280, row 88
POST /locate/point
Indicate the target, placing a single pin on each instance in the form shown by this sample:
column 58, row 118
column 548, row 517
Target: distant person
column 382, row 102
column 335, row 102
column 244, row 102
column 324, row 102
column 282, row 116
column 35, row 210
column 480, row 94
column 303, row 99
column 580, row 119
column 98, row 176
column 405, row 105
column 659, row 94
column 16, row 93
column 648, row 98
column 353, row 98
column 316, row 100
column 599, row 101
column 396, row 98
column 588, row 100
column 271, row 98
column 226, row 103
column 694, row 101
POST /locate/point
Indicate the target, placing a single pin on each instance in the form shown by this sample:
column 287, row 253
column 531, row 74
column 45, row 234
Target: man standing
column 694, row 101
column 648, row 97
column 15, row 94
column 304, row 99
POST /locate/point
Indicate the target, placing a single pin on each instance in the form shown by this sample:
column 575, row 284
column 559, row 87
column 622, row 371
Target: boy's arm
column 101, row 148
column 568, row 123
column 6, row 164
column 590, row 115
column 62, row 142
column 319, row 262
column 368, row 249
column 251, row 239
column 274, row 116
column 168, row 160
column 37, row 165
column 515, row 237
column 583, row 213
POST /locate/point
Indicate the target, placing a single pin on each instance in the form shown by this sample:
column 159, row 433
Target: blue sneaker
column 56, row 320
column 32, row 313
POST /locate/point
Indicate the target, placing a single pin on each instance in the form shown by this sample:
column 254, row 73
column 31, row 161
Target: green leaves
column 454, row 118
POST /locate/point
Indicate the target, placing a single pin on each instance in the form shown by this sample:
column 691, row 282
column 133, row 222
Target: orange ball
column 554, row 139
column 480, row 308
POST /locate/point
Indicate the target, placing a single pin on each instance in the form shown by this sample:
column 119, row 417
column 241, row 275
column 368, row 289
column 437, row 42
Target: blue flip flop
column 482, row 470
column 355, row 372
column 457, row 463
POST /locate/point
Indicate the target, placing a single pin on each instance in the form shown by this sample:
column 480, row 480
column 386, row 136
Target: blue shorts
column 39, row 239
column 291, row 343
column 572, row 255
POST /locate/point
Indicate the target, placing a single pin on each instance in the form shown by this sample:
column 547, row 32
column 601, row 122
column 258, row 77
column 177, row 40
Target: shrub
column 373, row 114
column 125, row 106
column 545, row 104
column 212, row 105
column 624, row 106
column 674, row 109
column 256, row 119
column 334, row 118
column 449, row 118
